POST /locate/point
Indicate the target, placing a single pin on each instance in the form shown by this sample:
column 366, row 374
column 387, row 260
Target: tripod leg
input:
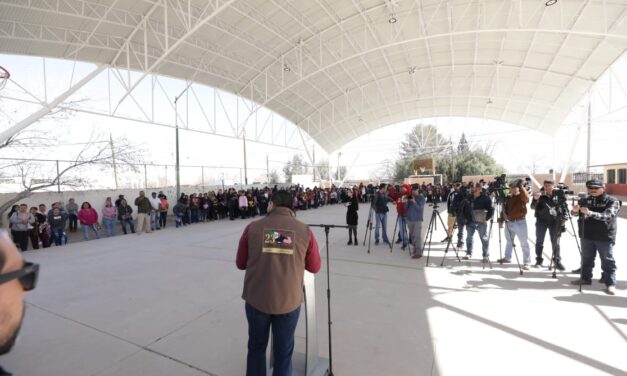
column 394, row 233
column 369, row 231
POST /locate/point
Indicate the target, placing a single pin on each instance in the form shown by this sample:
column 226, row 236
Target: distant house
column 615, row 178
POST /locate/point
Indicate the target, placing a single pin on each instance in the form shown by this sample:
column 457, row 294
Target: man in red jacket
column 401, row 208
column 275, row 251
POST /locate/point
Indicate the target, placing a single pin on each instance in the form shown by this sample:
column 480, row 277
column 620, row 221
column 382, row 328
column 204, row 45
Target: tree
column 98, row 151
column 297, row 166
column 323, row 169
column 274, row 177
column 451, row 162
column 462, row 146
column 423, row 141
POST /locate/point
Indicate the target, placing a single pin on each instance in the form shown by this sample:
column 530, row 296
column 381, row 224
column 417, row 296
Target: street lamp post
column 176, row 124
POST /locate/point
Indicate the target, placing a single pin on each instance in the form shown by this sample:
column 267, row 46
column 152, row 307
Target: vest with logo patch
column 277, row 247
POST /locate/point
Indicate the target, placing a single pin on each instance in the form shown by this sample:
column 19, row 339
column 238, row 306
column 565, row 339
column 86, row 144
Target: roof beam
column 216, row 11
column 50, row 106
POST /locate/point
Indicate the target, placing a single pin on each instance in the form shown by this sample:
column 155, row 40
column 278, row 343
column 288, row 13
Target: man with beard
column 16, row 277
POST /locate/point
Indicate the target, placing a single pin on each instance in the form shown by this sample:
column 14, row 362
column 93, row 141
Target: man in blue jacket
column 415, row 211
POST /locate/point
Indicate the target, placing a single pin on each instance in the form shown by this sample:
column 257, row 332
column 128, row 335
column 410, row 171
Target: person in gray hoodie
column 21, row 222
column 415, row 214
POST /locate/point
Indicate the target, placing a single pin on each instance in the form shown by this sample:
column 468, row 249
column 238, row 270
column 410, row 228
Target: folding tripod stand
column 435, row 216
column 368, row 233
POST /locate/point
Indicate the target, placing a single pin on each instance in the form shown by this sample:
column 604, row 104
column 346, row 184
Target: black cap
column 594, row 183
column 549, row 182
column 382, row 185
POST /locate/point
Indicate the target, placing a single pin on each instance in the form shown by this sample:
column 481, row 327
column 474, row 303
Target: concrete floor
column 168, row 303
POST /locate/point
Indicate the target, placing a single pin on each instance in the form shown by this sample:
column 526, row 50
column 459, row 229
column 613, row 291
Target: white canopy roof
column 339, row 69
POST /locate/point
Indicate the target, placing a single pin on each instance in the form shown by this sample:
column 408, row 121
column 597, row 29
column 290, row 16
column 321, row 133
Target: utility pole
column 338, row 166
column 267, row 170
column 589, row 137
column 145, row 177
column 245, row 167
column 176, row 123
column 115, row 168
column 58, row 179
column 313, row 159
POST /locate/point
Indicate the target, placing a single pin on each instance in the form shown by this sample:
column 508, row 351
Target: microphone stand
column 327, row 228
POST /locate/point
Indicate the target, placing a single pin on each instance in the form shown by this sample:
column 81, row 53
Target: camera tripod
column 435, row 216
column 368, row 233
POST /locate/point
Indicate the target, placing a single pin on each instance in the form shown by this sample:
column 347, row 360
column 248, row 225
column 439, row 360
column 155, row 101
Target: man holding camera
column 513, row 214
column 401, row 198
column 548, row 205
column 381, row 214
column 597, row 229
column 450, row 209
column 475, row 214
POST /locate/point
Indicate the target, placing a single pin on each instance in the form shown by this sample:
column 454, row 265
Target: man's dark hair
column 282, row 199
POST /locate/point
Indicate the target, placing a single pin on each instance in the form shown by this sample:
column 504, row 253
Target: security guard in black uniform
column 597, row 229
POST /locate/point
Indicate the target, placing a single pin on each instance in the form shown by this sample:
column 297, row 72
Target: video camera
column 499, row 188
column 563, row 188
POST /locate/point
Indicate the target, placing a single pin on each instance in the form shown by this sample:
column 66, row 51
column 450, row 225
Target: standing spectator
column 42, row 218
column 88, row 218
column 57, row 221
column 179, row 211
column 119, row 200
column 109, row 216
column 476, row 214
column 72, row 210
column 163, row 210
column 155, row 203
column 514, row 214
column 415, row 214
column 143, row 213
column 243, row 205
column 34, row 232
column 125, row 215
column 21, row 223
column 275, row 262
column 352, row 217
column 14, row 209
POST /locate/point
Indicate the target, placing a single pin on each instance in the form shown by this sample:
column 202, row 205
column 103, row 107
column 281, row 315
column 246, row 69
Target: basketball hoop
column 4, row 77
column 422, row 170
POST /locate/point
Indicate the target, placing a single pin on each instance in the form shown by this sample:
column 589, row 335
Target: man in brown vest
column 275, row 251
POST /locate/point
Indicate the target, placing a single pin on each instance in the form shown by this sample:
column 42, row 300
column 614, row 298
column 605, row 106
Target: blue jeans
column 402, row 224
column 86, row 228
column 589, row 249
column 128, row 221
column 58, row 236
column 482, row 228
column 517, row 229
column 109, row 225
column 283, row 327
column 381, row 219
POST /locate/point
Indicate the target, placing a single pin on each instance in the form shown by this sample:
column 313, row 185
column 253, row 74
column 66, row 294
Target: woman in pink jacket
column 88, row 218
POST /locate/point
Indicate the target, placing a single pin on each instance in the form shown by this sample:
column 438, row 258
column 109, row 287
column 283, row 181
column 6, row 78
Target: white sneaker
column 525, row 267
column 610, row 290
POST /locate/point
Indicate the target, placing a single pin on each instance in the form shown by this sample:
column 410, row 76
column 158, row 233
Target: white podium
column 310, row 363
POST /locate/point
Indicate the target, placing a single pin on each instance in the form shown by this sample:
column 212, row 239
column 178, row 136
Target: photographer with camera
column 401, row 198
column 513, row 215
column 597, row 230
column 475, row 214
column 381, row 213
column 450, row 209
column 550, row 212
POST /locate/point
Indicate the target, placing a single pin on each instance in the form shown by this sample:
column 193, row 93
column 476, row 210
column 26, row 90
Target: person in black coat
column 351, row 216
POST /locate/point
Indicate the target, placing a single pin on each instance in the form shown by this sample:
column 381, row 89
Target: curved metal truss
column 340, row 69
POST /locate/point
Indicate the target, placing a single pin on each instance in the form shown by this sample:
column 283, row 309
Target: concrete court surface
column 168, row 303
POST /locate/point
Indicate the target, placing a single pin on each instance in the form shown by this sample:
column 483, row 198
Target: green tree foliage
column 273, row 177
column 453, row 162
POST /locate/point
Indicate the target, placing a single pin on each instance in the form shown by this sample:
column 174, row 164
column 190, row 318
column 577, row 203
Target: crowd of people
column 43, row 227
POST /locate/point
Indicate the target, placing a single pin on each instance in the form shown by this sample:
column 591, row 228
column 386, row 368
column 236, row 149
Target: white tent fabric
column 339, row 69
